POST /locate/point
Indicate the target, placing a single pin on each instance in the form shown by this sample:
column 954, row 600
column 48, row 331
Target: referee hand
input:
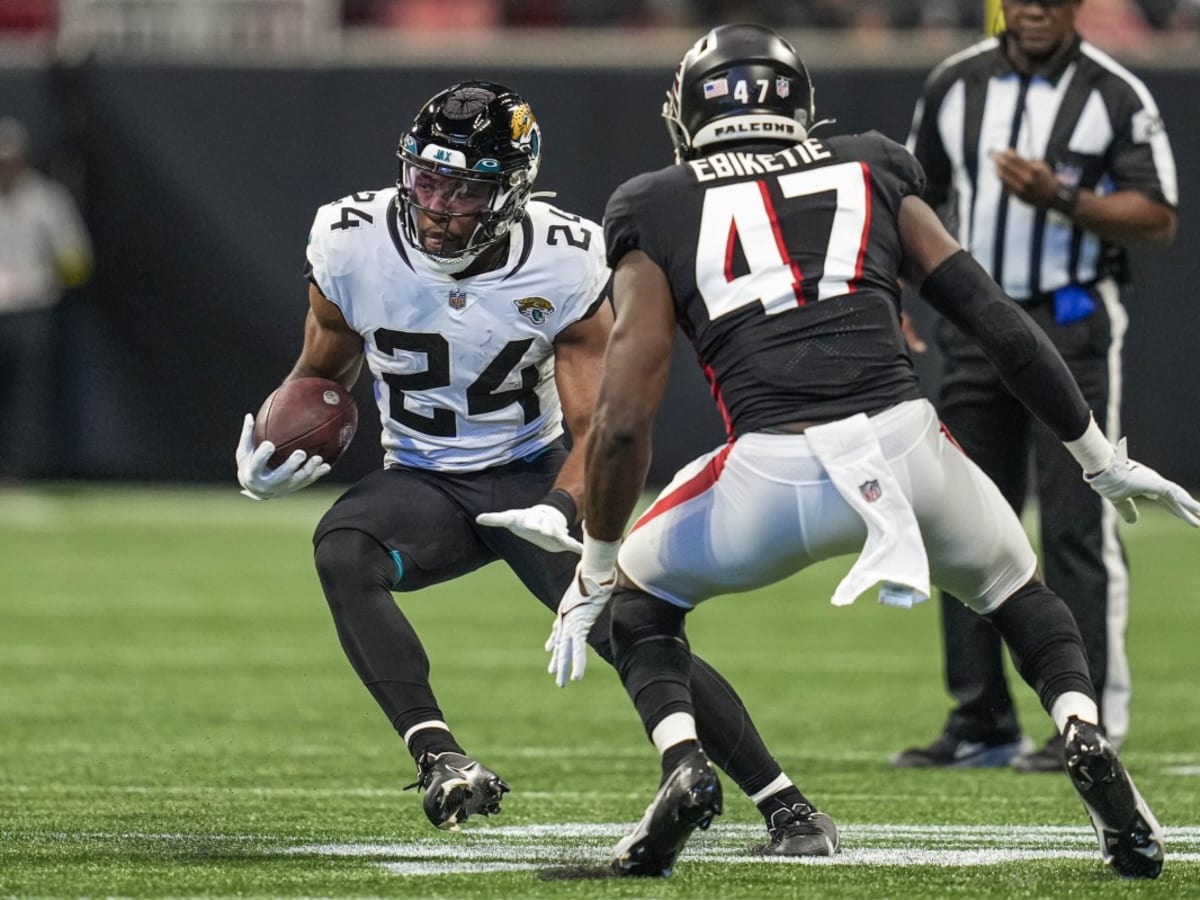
column 1030, row 180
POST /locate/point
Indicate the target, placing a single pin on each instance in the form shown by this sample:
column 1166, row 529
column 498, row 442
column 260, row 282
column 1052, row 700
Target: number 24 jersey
column 464, row 368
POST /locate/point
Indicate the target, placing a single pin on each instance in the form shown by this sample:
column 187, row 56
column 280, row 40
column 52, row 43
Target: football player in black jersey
column 779, row 255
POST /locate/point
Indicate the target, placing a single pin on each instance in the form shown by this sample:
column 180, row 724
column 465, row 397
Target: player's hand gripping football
column 261, row 482
column 1123, row 479
column 541, row 525
column 578, row 611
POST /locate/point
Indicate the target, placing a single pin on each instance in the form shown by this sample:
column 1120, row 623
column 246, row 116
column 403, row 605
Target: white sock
column 1073, row 703
column 672, row 730
column 773, row 788
column 432, row 723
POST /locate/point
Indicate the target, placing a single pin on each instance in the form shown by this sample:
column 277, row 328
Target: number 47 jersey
column 783, row 263
column 463, row 368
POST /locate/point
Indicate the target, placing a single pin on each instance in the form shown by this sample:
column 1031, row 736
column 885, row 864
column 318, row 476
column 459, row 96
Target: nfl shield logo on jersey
column 458, row 299
column 870, row 490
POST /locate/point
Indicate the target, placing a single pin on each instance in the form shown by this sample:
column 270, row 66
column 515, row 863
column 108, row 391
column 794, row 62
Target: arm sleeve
column 1027, row 362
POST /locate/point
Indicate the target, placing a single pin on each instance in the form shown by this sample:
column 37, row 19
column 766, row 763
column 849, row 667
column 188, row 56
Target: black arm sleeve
column 1027, row 362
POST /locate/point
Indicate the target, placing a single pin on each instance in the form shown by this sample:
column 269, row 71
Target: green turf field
column 177, row 719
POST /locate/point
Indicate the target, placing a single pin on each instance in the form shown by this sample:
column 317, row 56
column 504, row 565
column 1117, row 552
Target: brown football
column 315, row 415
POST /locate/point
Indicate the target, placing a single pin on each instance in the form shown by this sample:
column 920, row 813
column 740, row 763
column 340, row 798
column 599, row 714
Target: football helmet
column 738, row 83
column 472, row 151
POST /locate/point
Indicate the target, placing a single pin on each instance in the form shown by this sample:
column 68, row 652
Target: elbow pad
column 1027, row 362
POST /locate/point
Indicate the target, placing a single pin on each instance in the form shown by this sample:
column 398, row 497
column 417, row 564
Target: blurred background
column 198, row 138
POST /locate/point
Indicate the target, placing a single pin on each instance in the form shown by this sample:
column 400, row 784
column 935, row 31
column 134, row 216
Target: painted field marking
column 513, row 848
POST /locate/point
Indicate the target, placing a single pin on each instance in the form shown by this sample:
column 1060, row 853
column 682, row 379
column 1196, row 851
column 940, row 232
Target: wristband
column 1065, row 199
column 1092, row 450
column 562, row 500
column 599, row 557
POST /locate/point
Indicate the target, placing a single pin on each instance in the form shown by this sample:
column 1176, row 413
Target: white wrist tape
column 599, row 558
column 1093, row 451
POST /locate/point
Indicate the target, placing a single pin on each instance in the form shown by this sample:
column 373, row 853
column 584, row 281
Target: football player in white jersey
column 483, row 317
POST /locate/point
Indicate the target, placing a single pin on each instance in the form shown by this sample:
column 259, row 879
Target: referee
column 1047, row 157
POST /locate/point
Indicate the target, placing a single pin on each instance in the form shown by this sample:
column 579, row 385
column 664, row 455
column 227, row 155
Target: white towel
column 893, row 552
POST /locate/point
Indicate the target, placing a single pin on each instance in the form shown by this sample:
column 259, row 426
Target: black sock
column 433, row 740
column 675, row 754
column 788, row 798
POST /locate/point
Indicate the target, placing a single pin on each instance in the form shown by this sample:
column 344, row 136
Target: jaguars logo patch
column 535, row 309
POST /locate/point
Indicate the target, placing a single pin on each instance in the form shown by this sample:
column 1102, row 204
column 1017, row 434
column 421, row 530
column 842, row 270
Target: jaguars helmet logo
column 521, row 122
column 535, row 309
column 526, row 136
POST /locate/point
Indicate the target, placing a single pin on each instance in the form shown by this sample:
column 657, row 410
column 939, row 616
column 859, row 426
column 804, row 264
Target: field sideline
column 177, row 719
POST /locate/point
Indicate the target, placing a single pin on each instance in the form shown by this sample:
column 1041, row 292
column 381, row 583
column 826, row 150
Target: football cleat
column 1047, row 758
column 1131, row 840
column 801, row 830
column 688, row 799
column 952, row 752
column 457, row 787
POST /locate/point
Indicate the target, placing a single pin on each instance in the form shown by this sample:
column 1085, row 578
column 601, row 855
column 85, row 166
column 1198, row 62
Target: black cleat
column 457, row 787
column 688, row 799
column 801, row 830
column 1131, row 840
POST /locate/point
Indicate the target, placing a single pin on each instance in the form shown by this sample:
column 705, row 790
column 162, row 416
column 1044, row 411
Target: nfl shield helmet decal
column 870, row 490
column 783, row 86
column 457, row 299
column 535, row 309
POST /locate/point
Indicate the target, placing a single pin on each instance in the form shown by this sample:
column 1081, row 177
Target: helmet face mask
column 738, row 83
column 467, row 167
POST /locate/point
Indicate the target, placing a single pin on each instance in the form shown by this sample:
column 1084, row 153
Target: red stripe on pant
column 693, row 487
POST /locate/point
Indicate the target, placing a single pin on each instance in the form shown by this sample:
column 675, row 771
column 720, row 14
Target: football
column 315, row 415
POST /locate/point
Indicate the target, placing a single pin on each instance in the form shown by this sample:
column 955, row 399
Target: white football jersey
column 464, row 368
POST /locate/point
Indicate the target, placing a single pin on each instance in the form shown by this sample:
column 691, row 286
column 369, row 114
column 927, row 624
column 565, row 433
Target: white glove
column 541, row 525
column 1123, row 479
column 262, row 483
column 578, row 611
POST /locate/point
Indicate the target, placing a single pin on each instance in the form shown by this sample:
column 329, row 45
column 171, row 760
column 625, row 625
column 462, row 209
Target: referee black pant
column 1082, row 558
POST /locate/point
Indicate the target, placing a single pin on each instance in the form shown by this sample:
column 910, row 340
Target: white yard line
column 513, row 848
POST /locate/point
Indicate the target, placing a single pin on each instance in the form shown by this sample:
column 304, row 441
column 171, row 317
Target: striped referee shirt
column 1090, row 119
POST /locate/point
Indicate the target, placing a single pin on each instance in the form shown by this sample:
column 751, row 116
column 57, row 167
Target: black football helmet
column 483, row 134
column 738, row 83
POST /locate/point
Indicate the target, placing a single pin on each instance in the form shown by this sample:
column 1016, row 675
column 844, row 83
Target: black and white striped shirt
column 1089, row 118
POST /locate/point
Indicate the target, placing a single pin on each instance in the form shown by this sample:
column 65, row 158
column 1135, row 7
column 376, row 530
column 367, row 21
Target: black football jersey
column 783, row 264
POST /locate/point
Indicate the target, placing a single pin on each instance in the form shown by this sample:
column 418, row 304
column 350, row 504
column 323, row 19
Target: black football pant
column 1082, row 558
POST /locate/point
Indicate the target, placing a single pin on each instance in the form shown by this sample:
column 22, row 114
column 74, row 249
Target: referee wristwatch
column 1065, row 199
